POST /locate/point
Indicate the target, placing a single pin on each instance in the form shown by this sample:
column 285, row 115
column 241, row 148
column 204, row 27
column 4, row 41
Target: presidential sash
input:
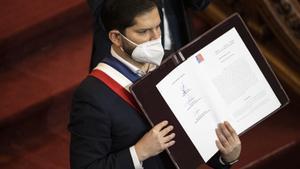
column 116, row 81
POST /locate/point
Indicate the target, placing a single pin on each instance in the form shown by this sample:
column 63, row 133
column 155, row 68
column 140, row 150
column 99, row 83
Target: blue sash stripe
column 120, row 67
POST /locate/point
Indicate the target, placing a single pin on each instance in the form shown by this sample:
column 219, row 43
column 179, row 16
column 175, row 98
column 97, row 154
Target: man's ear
column 115, row 37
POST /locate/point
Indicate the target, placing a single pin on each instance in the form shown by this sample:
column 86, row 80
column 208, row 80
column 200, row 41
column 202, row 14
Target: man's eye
column 143, row 31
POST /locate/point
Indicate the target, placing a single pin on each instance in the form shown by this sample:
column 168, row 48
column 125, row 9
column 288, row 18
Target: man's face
column 146, row 28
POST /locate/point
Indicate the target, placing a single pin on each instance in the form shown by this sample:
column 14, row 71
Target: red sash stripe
column 116, row 87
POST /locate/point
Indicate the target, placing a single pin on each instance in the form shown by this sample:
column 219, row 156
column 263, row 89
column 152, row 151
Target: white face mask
column 148, row 52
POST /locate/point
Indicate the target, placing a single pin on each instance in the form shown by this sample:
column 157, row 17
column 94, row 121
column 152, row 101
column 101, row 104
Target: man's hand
column 229, row 143
column 155, row 141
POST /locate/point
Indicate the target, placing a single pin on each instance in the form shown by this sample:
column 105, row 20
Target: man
column 106, row 131
column 175, row 25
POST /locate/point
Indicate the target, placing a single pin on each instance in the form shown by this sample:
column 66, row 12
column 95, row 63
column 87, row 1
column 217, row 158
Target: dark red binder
column 183, row 153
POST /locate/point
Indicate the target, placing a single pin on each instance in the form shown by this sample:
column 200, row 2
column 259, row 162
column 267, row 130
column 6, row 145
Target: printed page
column 219, row 82
column 238, row 90
column 191, row 107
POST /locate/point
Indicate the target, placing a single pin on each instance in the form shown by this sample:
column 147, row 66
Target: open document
column 219, row 82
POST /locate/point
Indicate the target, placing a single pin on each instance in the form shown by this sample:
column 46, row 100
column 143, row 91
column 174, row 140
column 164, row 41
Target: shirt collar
column 132, row 67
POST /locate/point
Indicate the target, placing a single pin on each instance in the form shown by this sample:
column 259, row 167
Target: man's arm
column 91, row 139
column 229, row 145
column 215, row 163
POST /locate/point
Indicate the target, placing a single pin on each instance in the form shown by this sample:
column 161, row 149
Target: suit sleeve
column 216, row 164
column 91, row 139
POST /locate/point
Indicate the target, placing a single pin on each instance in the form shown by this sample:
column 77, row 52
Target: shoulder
column 89, row 84
column 94, row 92
column 90, row 101
column 91, row 87
column 87, row 116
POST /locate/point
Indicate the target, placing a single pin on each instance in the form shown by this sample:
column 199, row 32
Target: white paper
column 219, row 82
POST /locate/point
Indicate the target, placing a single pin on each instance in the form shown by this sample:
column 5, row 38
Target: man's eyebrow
column 147, row 28
column 143, row 29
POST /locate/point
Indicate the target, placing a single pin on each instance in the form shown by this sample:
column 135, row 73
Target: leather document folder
column 221, row 75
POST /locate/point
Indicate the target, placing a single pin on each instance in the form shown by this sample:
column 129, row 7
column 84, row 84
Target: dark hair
column 120, row 14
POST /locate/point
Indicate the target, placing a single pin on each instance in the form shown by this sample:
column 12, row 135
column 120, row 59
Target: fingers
column 160, row 125
column 166, row 130
column 162, row 129
column 228, row 142
column 155, row 141
column 163, row 133
column 168, row 138
column 229, row 127
column 220, row 146
column 226, row 133
column 227, row 136
column 222, row 139
column 232, row 131
column 169, row 144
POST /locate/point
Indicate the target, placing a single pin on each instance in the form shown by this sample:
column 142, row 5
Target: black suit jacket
column 175, row 12
column 103, row 127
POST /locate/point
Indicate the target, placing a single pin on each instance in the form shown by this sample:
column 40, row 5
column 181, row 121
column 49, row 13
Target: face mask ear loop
column 128, row 39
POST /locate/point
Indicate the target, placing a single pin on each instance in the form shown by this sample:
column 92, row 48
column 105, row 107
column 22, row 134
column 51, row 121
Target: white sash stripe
column 114, row 74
